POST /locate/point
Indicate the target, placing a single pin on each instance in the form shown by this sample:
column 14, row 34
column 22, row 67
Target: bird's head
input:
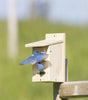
column 35, row 52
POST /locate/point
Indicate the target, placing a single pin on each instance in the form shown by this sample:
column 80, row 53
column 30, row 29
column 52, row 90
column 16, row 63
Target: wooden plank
column 43, row 43
column 74, row 89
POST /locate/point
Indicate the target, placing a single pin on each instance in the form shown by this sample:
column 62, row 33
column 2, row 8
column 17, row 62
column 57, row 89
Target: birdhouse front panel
column 44, row 74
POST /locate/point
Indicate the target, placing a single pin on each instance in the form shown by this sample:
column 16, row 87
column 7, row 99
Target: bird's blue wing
column 41, row 56
column 29, row 60
column 40, row 66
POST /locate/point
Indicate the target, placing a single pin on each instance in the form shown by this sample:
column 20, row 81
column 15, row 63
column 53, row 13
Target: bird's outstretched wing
column 40, row 66
column 36, row 58
column 29, row 60
column 41, row 56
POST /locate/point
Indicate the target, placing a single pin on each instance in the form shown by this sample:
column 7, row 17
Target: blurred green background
column 16, row 81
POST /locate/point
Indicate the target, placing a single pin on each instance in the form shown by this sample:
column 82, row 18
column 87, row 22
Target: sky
column 68, row 11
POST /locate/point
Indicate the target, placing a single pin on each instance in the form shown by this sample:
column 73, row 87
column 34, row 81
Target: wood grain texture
column 74, row 89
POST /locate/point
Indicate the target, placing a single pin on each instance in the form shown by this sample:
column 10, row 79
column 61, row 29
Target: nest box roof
column 43, row 43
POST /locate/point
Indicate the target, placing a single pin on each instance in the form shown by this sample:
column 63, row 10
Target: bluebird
column 36, row 58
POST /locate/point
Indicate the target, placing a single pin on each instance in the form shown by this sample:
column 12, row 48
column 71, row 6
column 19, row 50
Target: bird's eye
column 36, row 51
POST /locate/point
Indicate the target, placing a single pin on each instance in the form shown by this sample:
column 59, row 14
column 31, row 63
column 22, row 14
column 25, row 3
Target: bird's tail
column 40, row 66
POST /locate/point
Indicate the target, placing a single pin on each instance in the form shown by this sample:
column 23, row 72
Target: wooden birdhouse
column 54, row 65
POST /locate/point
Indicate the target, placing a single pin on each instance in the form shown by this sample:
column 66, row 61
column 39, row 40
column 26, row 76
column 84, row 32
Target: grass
column 16, row 81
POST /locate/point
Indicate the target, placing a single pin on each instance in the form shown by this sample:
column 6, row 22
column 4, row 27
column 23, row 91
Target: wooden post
column 56, row 86
column 12, row 29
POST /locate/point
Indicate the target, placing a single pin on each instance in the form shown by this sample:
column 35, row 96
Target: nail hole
column 50, row 51
column 54, row 35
